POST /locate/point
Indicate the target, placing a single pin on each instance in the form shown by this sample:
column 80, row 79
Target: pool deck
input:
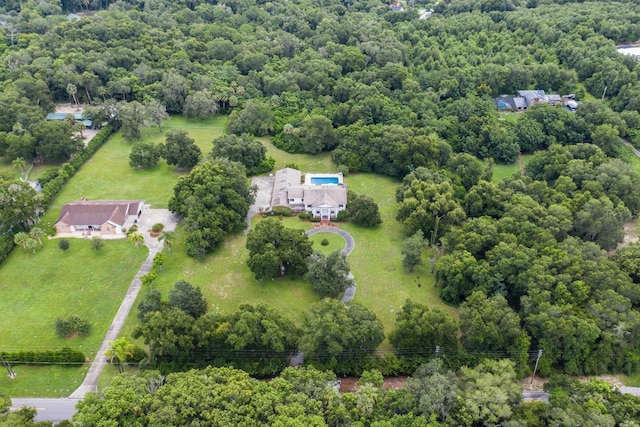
column 323, row 179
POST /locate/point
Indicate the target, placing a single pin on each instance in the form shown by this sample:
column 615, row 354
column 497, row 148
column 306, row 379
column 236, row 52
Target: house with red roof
column 100, row 217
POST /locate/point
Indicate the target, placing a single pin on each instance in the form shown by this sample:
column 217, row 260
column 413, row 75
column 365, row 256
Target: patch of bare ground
column 630, row 232
column 350, row 384
column 539, row 382
column 69, row 108
column 521, row 164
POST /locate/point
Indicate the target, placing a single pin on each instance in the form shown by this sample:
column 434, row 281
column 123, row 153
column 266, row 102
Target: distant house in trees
column 322, row 195
column 527, row 98
column 63, row 116
column 396, row 6
column 102, row 217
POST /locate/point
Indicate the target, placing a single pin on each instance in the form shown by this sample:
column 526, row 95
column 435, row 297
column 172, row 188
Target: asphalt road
column 54, row 410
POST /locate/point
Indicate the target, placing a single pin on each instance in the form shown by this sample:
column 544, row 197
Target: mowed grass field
column 107, row 175
column 376, row 263
column 38, row 288
column 59, row 278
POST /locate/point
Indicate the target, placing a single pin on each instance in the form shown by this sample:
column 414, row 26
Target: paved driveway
column 264, row 185
column 154, row 216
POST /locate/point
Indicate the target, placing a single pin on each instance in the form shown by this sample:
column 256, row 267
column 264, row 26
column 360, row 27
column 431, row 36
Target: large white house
column 322, row 195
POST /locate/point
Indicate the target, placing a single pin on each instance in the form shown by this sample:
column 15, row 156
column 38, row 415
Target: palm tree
column 21, row 163
column 20, row 239
column 136, row 239
column 118, row 352
column 31, row 244
column 168, row 237
column 72, row 90
column 38, row 234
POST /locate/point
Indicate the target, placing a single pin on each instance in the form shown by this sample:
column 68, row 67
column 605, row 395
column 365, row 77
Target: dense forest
column 533, row 261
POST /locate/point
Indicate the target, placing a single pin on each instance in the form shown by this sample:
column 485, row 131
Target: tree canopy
column 212, row 200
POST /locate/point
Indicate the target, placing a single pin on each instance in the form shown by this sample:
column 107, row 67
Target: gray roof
column 287, row 185
column 520, row 102
column 532, row 96
column 325, row 196
column 285, row 179
column 98, row 212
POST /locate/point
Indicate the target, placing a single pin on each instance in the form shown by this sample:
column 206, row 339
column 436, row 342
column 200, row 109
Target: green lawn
column 376, row 263
column 107, row 175
column 336, row 242
column 224, row 277
column 8, row 170
column 510, row 117
column 501, row 171
column 38, row 381
column 37, row 289
column 630, row 157
column 321, row 162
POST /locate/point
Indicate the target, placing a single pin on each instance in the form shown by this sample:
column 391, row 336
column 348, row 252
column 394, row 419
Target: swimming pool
column 324, row 180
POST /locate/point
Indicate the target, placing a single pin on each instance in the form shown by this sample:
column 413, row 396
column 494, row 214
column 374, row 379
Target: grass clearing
column 8, row 170
column 37, row 289
column 107, row 175
column 376, row 263
column 510, row 117
column 320, row 163
column 501, row 171
column 336, row 242
column 39, row 381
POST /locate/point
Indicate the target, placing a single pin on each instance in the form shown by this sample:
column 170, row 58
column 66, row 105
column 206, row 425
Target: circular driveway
column 349, row 244
column 348, row 238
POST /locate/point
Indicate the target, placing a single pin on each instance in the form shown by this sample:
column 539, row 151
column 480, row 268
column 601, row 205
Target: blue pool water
column 324, row 180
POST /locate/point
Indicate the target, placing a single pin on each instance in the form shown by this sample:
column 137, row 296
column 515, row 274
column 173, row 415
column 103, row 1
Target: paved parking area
column 264, row 185
column 154, row 216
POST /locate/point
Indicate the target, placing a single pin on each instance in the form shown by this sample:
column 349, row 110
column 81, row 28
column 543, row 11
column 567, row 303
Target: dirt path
column 521, row 164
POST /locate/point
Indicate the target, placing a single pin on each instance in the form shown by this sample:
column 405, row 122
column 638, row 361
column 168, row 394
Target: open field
column 107, row 175
column 501, row 171
column 37, row 289
column 39, row 381
column 305, row 162
column 223, row 276
column 376, row 263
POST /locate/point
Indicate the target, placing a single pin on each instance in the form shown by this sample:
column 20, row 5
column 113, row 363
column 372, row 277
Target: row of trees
column 182, row 332
column 433, row 396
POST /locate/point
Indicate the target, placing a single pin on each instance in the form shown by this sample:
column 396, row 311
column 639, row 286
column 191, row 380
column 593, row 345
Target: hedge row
column 6, row 244
column 63, row 356
column 54, row 181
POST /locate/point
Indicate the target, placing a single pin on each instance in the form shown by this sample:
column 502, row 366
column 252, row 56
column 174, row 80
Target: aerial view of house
column 104, row 217
column 322, row 195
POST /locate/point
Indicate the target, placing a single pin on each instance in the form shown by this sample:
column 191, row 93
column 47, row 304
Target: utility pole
column 6, row 364
column 536, row 367
column 437, row 351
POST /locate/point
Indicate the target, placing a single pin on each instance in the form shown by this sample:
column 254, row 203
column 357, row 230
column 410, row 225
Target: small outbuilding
column 63, row 116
